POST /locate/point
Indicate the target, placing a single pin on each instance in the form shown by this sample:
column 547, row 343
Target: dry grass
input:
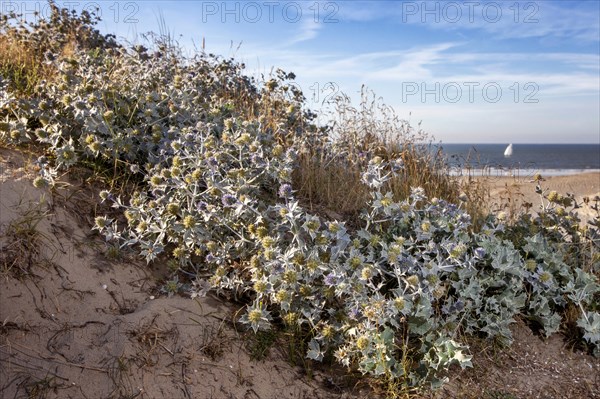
column 23, row 61
column 328, row 185
column 21, row 242
column 152, row 341
column 328, row 175
column 478, row 200
column 20, row 66
column 213, row 341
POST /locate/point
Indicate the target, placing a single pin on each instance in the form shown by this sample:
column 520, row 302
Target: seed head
column 254, row 316
column 282, row 296
column 362, row 342
column 268, row 242
column 155, row 180
column 108, row 115
column 260, row 286
column 172, row 208
column 399, row 303
column 189, row 222
column 39, row 182
column 413, row 280
column 530, row 264
column 100, row 221
column 277, row 150
column 179, row 252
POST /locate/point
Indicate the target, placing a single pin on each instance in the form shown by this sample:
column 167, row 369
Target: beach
column 510, row 193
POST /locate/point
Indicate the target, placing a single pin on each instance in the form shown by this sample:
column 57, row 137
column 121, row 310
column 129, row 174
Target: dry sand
column 76, row 322
column 510, row 193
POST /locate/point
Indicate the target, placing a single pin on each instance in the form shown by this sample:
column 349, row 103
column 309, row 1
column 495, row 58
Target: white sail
column 508, row 152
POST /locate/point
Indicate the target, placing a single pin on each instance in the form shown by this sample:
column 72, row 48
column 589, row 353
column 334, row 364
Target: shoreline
column 523, row 173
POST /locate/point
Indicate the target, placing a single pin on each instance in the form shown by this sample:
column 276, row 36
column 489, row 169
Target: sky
column 469, row 71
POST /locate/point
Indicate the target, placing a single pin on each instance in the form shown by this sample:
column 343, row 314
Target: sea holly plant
column 411, row 281
column 590, row 323
column 393, row 294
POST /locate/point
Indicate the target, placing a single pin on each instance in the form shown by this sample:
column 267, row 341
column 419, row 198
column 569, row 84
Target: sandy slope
column 78, row 323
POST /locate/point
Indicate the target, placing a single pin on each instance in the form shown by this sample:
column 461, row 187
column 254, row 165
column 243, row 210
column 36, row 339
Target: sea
column 526, row 159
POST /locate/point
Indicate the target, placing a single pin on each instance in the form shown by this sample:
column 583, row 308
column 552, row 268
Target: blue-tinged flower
column 285, row 191
column 228, row 200
column 212, row 162
column 354, row 313
column 464, row 218
column 201, row 206
column 330, row 280
column 479, row 252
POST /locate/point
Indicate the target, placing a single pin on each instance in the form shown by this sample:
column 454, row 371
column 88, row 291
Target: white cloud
column 308, row 31
column 531, row 19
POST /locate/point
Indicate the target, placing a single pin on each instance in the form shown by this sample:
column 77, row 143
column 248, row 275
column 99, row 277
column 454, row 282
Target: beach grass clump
column 27, row 48
column 228, row 171
column 330, row 166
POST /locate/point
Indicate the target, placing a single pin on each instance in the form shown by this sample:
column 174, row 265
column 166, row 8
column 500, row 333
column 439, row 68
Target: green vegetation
column 232, row 183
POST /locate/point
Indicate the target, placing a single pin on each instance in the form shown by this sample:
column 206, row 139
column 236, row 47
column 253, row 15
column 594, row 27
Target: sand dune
column 510, row 193
column 78, row 322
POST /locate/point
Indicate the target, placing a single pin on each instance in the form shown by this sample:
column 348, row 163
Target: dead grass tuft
column 21, row 242
column 151, row 339
column 213, row 341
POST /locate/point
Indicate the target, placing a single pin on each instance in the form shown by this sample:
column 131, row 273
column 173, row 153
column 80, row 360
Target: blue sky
column 471, row 71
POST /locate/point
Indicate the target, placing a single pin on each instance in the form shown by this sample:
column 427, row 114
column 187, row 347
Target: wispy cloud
column 505, row 20
column 415, row 63
column 308, row 30
column 571, row 74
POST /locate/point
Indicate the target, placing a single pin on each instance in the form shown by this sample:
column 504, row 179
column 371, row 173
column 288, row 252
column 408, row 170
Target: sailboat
column 509, row 150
